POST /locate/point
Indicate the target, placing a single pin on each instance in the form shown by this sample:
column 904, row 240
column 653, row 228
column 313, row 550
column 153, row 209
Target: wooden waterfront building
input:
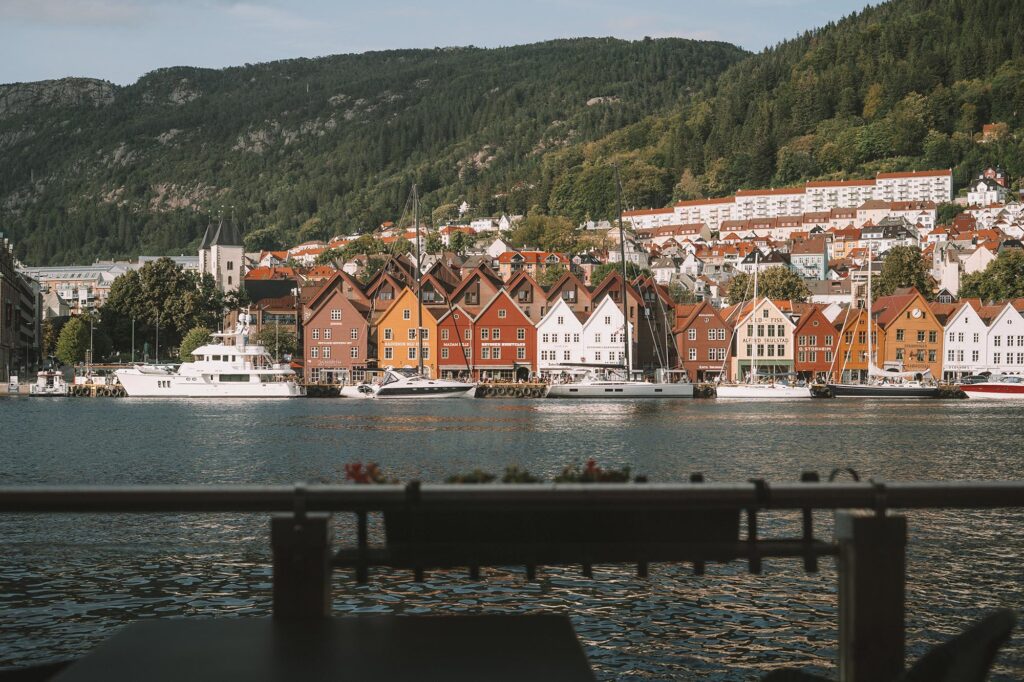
column 504, row 341
column 703, row 339
column 337, row 343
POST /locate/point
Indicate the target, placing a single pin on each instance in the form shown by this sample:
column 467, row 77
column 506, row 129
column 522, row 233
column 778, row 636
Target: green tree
column 550, row 276
column 73, row 341
column 680, row 294
column 776, row 283
column 903, row 267
column 279, row 342
column 459, row 242
column 1003, row 278
column 946, row 212
column 162, row 292
column 196, row 337
column 444, row 213
column 48, row 340
column 329, row 256
column 434, row 243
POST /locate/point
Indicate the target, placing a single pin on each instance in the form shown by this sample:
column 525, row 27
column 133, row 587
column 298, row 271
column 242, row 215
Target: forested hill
column 906, row 85
column 309, row 148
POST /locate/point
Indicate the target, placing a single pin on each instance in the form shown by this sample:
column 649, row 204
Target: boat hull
column 766, row 392
column 994, row 391
column 420, row 392
column 868, row 391
column 151, row 385
column 620, row 391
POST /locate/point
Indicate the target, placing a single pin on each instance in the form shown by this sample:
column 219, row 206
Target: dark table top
column 490, row 648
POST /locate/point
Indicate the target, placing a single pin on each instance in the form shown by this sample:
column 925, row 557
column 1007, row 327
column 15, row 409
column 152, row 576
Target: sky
column 120, row 40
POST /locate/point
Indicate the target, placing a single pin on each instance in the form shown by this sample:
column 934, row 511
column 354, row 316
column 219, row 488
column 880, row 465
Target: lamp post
column 157, row 360
column 133, row 340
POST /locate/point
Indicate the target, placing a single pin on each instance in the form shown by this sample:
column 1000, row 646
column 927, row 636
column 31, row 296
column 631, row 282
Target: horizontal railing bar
column 347, row 498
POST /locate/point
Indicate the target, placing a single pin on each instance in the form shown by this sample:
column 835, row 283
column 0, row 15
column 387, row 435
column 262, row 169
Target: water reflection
column 66, row 582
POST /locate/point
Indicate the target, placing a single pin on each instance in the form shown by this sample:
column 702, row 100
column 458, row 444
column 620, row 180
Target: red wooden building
column 504, row 341
column 816, row 341
column 703, row 338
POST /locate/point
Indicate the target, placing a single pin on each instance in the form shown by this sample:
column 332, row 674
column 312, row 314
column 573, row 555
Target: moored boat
column 219, row 370
column 49, row 383
column 408, row 383
column 595, row 384
column 996, row 388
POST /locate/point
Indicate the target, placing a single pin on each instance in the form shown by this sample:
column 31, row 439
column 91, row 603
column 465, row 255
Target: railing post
column 302, row 565
column 872, row 586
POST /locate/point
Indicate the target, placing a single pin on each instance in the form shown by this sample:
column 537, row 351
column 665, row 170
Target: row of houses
column 474, row 323
column 20, row 304
column 818, row 341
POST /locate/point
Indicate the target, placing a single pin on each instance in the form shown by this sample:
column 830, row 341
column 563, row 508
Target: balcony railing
column 443, row 526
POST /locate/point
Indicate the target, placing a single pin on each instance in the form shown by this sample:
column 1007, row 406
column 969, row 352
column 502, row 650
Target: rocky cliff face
column 19, row 98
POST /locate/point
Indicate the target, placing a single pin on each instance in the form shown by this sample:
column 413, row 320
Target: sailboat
column 613, row 381
column 882, row 384
column 407, row 382
column 751, row 389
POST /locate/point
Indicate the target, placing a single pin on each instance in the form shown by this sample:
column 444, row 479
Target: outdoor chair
column 965, row 658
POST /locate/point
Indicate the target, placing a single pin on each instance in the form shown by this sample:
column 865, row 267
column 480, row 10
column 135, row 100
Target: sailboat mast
column 868, row 306
column 419, row 276
column 622, row 254
column 753, row 356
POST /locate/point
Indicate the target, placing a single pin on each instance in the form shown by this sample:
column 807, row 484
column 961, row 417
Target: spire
column 205, row 244
column 227, row 234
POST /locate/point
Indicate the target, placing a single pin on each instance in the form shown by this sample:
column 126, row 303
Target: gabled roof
column 567, row 276
column 227, row 234
column 205, row 244
column 887, row 308
column 481, row 271
column 455, row 308
column 337, row 280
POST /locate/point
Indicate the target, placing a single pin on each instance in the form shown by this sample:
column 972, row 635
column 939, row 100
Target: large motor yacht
column 408, row 383
column 232, row 368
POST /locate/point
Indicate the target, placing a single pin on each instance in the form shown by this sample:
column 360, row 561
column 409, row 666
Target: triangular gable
column 562, row 308
column 758, row 306
column 567, row 276
column 456, row 309
column 614, row 281
column 481, row 272
column 500, row 293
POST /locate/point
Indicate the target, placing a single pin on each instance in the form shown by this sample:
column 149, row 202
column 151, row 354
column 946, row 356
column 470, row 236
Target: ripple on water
column 68, row 582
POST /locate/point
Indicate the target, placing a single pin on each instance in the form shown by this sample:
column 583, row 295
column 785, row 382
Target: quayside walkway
column 534, row 525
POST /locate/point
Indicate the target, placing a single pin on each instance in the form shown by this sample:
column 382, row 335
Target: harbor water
column 69, row 581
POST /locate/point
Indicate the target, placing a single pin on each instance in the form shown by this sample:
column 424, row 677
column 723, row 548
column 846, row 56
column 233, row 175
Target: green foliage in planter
column 514, row 474
column 475, row 476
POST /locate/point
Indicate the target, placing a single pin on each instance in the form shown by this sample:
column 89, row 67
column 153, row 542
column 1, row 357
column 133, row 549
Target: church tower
column 222, row 255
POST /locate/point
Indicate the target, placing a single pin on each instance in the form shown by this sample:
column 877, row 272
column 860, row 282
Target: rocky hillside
column 310, row 148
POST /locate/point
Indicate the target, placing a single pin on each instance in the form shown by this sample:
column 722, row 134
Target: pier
column 478, row 526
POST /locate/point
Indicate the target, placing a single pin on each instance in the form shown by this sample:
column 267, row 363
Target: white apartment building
column 917, row 186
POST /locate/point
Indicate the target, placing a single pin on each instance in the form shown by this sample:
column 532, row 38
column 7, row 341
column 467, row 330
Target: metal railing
column 431, row 526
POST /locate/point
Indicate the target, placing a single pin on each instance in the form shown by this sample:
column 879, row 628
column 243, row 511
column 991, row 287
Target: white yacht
column 604, row 384
column 409, row 383
column 775, row 389
column 219, row 370
column 49, row 383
